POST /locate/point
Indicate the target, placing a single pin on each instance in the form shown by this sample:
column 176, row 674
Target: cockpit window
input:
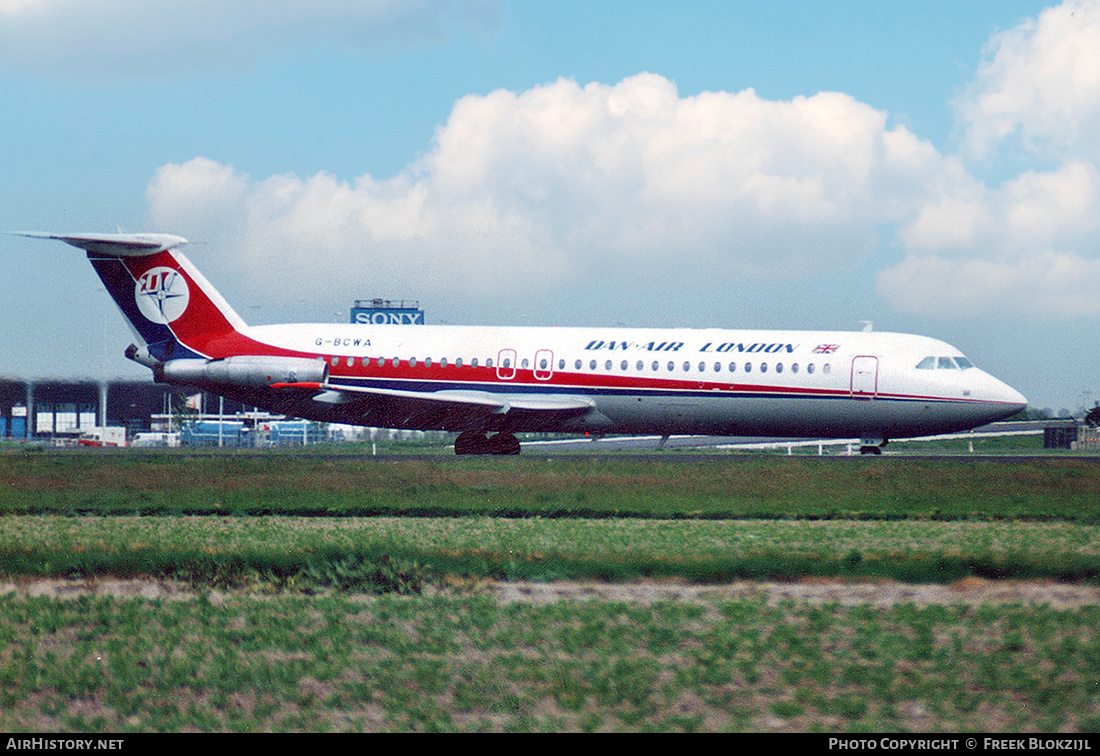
column 944, row 363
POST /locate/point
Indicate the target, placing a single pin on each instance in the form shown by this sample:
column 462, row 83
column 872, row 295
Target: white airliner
column 488, row 383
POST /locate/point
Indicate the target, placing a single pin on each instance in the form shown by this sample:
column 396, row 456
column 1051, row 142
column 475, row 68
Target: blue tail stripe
column 158, row 337
column 121, row 284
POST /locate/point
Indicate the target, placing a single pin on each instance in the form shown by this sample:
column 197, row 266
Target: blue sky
column 931, row 167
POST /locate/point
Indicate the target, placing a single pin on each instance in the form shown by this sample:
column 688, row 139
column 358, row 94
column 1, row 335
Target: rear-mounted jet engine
column 245, row 371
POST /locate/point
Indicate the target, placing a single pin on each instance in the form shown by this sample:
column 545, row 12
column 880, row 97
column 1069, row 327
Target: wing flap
column 465, row 403
column 350, row 394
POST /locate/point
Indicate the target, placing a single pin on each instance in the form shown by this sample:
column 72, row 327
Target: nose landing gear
column 872, row 445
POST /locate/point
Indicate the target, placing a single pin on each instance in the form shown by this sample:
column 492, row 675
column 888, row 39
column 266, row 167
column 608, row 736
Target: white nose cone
column 1003, row 400
column 1015, row 398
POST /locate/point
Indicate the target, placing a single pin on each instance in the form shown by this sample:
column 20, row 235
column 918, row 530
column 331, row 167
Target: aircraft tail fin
column 168, row 303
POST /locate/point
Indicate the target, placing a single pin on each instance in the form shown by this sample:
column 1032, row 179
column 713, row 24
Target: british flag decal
column 826, row 348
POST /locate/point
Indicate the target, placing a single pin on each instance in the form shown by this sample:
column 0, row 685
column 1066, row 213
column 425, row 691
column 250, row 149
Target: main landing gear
column 470, row 442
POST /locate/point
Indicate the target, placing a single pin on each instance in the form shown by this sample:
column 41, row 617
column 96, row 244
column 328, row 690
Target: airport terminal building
column 123, row 413
column 136, row 413
column 115, row 413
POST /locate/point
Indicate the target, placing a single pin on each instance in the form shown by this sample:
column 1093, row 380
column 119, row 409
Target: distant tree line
column 1044, row 413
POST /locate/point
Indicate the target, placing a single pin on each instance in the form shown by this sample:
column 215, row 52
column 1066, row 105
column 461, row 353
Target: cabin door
column 864, row 377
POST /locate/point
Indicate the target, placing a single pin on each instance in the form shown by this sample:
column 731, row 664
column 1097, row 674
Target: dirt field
column 972, row 591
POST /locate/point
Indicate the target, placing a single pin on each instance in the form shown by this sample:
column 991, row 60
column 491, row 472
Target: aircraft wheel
column 870, row 450
column 504, row 443
column 469, row 442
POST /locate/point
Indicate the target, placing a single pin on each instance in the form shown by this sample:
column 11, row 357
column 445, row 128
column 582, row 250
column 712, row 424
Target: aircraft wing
column 458, row 407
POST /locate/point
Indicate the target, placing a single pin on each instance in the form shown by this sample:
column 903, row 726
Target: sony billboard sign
column 385, row 312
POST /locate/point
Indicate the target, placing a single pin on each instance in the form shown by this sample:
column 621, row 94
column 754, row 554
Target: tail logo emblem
column 162, row 294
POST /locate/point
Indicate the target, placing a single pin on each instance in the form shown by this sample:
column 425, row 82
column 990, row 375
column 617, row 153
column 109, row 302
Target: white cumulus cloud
column 563, row 184
column 1039, row 84
column 1029, row 245
column 1032, row 211
column 1047, row 284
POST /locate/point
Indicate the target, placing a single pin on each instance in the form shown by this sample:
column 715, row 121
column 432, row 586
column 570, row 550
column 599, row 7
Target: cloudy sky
column 932, row 167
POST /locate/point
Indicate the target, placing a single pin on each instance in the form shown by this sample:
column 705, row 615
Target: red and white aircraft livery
column 488, row 383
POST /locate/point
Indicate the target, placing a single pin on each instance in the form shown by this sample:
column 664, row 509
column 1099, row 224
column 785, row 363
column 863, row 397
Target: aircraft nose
column 1007, row 398
column 1015, row 398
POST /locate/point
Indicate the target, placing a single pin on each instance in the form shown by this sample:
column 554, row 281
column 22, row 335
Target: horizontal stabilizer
column 115, row 245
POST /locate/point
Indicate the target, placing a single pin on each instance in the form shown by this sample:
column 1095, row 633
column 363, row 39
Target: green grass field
column 346, row 593
column 672, row 487
column 338, row 663
column 571, row 517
